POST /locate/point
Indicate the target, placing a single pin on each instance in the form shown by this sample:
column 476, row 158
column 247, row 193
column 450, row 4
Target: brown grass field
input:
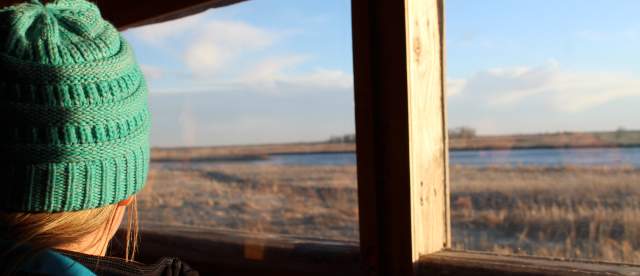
column 245, row 153
column 293, row 200
column 568, row 212
column 571, row 212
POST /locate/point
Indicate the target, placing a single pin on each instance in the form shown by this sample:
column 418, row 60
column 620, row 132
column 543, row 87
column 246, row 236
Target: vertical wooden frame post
column 427, row 126
column 401, row 133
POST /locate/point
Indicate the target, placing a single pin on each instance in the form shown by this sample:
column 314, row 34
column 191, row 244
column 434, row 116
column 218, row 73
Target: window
column 402, row 169
column 253, row 121
column 544, row 136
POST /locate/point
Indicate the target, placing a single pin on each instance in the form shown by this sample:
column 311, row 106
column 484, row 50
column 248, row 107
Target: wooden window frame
column 402, row 154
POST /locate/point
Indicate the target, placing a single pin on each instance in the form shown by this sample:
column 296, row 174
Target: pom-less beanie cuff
column 76, row 186
column 73, row 102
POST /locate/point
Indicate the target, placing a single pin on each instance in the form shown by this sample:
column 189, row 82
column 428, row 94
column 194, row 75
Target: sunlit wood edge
column 455, row 262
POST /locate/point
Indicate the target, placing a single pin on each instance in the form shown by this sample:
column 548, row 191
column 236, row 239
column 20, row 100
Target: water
column 549, row 157
column 481, row 158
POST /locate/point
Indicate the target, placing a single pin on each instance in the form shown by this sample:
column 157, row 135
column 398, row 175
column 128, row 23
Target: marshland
column 561, row 210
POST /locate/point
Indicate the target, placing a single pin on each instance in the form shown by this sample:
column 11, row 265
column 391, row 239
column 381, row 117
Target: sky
column 281, row 71
column 252, row 73
column 526, row 67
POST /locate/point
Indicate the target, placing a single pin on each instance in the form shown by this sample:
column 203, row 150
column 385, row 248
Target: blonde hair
column 50, row 230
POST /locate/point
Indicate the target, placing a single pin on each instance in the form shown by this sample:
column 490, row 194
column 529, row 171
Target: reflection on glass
column 545, row 144
column 253, row 117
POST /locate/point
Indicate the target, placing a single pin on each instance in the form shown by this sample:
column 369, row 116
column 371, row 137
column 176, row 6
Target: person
column 74, row 148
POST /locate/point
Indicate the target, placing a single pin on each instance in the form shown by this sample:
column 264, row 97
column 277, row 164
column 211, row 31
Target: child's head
column 73, row 105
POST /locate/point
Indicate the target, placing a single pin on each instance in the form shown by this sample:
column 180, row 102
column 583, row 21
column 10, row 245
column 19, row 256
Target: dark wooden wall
column 126, row 13
column 131, row 13
column 233, row 253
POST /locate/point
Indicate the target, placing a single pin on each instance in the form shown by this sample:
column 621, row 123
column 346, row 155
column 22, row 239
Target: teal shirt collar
column 48, row 262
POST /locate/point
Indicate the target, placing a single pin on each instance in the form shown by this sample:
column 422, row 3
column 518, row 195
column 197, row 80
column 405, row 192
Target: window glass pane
column 544, row 133
column 253, row 120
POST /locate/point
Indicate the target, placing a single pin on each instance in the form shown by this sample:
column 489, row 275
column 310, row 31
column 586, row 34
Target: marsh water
column 516, row 157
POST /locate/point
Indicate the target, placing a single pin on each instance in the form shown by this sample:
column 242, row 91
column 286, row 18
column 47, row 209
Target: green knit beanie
column 73, row 107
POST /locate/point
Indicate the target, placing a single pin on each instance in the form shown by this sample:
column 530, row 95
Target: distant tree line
column 342, row 139
column 458, row 133
column 462, row 133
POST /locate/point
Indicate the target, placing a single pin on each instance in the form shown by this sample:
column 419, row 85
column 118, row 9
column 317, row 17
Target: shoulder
column 49, row 262
column 117, row 266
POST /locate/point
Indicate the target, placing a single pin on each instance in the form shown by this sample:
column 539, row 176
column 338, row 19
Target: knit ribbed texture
column 73, row 106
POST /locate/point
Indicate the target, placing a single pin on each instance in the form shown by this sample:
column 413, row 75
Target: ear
column 125, row 202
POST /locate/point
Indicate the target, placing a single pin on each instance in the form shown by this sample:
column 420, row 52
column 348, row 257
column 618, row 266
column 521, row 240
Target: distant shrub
column 348, row 138
column 462, row 133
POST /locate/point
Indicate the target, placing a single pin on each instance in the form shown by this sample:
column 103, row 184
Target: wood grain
column 399, row 126
column 460, row 263
column 380, row 75
column 235, row 253
column 426, row 125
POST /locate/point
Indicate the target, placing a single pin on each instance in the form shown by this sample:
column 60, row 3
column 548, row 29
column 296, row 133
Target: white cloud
column 224, row 55
column 206, row 46
column 236, row 35
column 204, row 59
column 561, row 90
column 316, row 81
column 232, row 82
column 162, row 32
column 577, row 92
column 325, row 78
column 454, row 86
column 273, row 75
column 270, row 70
column 216, row 44
column 152, row 72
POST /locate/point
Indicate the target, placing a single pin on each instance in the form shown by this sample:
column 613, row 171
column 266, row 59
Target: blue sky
column 281, row 71
column 252, row 73
column 526, row 67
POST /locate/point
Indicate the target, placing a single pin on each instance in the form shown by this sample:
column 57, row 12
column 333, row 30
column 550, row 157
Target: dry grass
column 245, row 152
column 569, row 212
column 296, row 200
column 551, row 140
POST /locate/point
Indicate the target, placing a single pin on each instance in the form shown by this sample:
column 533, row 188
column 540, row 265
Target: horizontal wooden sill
column 219, row 252
column 463, row 263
